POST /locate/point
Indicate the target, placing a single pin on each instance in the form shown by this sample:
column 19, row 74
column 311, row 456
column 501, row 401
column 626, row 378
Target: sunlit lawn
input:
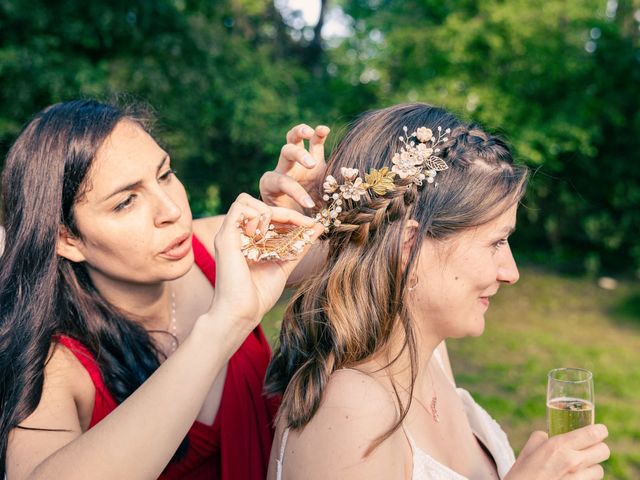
column 548, row 321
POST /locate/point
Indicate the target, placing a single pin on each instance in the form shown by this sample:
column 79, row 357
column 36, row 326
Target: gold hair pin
column 279, row 242
column 417, row 160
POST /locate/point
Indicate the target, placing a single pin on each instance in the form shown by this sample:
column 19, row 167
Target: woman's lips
column 179, row 248
column 484, row 301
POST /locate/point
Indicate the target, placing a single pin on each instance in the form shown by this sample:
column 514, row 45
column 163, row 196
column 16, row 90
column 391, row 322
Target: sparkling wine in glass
column 570, row 401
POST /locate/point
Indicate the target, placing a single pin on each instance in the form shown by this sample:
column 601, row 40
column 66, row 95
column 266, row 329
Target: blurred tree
column 558, row 78
column 220, row 75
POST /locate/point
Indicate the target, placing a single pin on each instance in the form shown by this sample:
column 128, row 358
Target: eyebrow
column 508, row 230
column 132, row 186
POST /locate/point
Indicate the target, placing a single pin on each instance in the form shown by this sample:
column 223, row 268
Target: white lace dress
column 485, row 428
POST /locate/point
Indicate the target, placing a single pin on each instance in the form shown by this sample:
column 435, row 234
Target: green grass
column 547, row 321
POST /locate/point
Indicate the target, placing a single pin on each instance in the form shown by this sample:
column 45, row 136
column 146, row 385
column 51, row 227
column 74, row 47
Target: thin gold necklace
column 172, row 330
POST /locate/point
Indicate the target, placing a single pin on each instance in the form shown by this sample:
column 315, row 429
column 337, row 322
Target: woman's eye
column 500, row 243
column 126, row 203
column 166, row 176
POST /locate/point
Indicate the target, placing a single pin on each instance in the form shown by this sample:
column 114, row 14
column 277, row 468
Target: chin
column 181, row 267
column 478, row 328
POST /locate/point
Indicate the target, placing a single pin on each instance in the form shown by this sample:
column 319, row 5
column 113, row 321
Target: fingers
column 286, row 215
column 291, row 154
column 294, row 151
column 283, row 184
column 536, row 440
column 316, row 143
column 575, row 455
column 228, row 238
column 596, row 454
column 584, row 437
column 595, row 472
column 260, row 221
column 299, row 133
column 250, row 214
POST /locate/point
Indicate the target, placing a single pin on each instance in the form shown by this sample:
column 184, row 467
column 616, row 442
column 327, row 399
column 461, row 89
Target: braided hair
column 348, row 312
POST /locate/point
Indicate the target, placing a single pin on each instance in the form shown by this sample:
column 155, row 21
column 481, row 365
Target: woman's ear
column 68, row 246
column 409, row 237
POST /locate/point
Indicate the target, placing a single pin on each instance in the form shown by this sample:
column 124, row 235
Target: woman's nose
column 167, row 210
column 507, row 269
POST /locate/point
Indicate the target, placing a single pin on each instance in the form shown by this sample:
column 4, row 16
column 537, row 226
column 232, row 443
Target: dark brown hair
column 43, row 295
column 350, row 310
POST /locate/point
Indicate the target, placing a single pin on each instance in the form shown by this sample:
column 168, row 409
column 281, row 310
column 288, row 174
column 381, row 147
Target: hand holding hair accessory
column 417, row 160
column 280, row 242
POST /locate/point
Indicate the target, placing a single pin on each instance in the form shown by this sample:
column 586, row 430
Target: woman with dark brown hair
column 119, row 357
column 418, row 210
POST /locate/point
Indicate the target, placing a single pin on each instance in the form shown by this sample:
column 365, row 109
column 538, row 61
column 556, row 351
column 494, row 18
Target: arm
column 146, row 426
column 139, row 437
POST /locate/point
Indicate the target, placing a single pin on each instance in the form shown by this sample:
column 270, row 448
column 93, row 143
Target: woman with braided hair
column 418, row 211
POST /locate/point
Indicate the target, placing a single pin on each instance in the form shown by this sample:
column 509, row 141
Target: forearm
column 137, row 440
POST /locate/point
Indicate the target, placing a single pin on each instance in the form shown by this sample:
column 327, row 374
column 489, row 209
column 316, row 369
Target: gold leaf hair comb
column 417, row 160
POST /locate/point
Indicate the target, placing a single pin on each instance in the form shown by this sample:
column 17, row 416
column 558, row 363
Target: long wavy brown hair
column 349, row 311
column 43, row 295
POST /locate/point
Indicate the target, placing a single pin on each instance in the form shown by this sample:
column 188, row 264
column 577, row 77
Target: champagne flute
column 570, row 401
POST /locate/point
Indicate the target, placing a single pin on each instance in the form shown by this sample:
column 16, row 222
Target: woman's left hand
column 246, row 290
column 298, row 171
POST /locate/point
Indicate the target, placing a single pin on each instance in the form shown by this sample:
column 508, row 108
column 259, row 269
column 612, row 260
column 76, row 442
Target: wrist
column 224, row 327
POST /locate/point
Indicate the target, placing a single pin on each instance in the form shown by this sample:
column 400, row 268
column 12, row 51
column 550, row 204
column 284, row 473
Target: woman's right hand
column 299, row 170
column 575, row 455
column 246, row 290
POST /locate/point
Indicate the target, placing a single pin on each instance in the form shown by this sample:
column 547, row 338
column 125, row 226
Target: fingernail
column 307, row 130
column 309, row 160
column 308, row 202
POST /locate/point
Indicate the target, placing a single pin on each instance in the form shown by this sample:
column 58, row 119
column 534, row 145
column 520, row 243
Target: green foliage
column 225, row 88
column 558, row 78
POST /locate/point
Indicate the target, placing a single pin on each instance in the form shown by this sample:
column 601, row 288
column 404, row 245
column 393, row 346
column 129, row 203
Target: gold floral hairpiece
column 417, row 161
column 279, row 242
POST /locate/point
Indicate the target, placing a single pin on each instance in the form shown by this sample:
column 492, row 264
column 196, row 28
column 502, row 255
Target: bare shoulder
column 350, row 388
column 206, row 229
column 356, row 410
column 67, row 391
column 64, row 371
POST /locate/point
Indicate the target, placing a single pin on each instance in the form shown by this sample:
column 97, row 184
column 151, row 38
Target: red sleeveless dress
column 238, row 443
